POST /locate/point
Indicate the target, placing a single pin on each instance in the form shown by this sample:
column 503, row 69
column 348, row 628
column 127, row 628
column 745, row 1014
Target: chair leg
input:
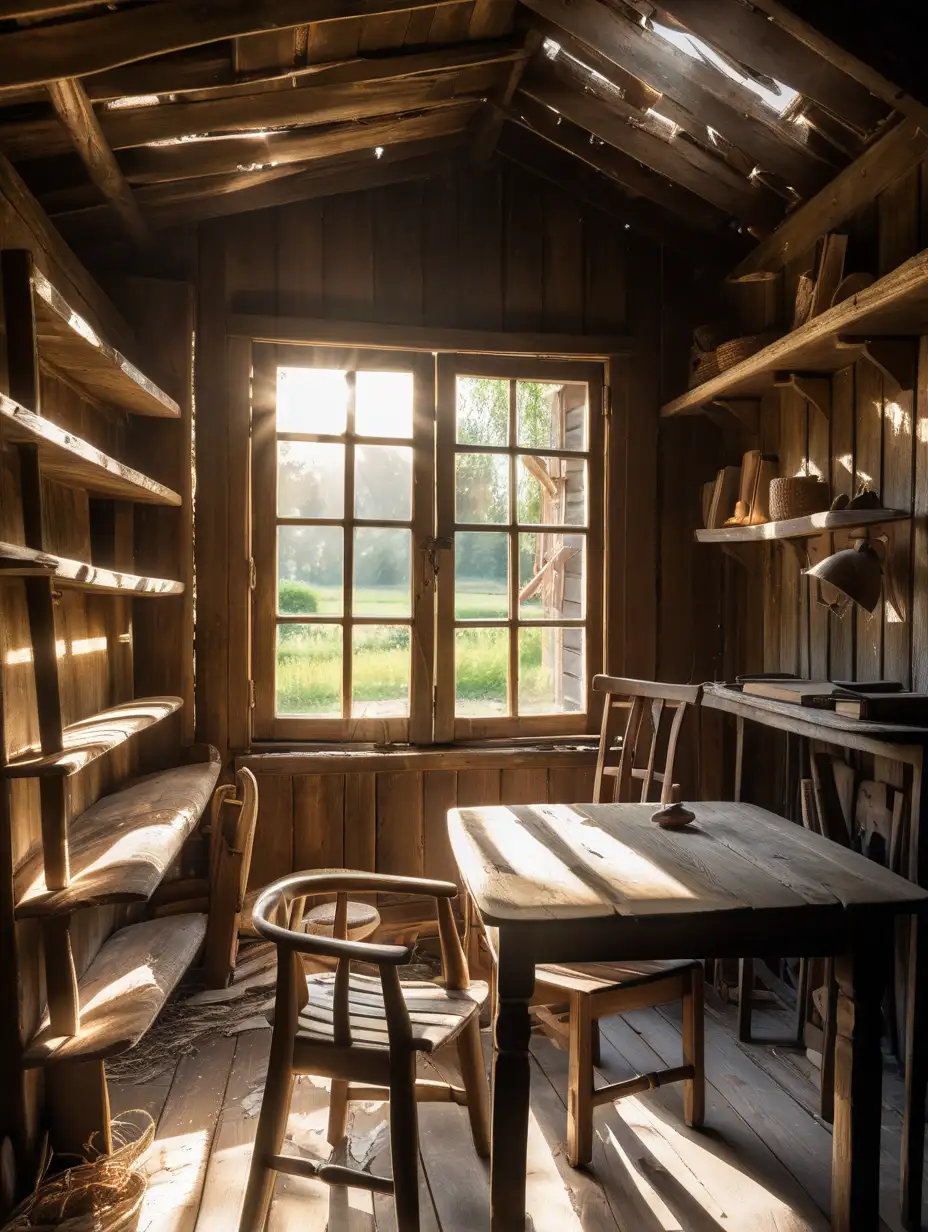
column 580, row 1082
column 745, row 997
column 272, row 1124
column 694, row 1089
column 338, row 1112
column 404, row 1142
column 474, row 1076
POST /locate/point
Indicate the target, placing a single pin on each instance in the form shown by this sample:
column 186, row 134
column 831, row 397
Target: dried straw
column 103, row 1195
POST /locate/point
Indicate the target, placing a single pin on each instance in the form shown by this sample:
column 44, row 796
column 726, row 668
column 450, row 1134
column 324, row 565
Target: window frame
column 268, row 725
column 448, row 726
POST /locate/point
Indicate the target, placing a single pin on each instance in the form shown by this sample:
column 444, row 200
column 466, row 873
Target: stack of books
column 876, row 701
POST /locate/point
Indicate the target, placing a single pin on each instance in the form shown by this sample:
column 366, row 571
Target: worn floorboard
column 761, row 1164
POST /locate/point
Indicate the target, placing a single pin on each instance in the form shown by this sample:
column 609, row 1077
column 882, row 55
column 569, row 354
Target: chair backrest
column 641, row 723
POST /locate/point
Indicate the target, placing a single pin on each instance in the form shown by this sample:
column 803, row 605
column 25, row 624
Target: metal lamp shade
column 855, row 572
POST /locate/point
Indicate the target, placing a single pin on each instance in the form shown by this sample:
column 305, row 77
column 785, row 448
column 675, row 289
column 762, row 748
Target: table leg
column 511, row 1078
column 916, row 1076
column 855, row 1175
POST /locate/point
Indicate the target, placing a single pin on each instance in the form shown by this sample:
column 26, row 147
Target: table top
column 549, row 862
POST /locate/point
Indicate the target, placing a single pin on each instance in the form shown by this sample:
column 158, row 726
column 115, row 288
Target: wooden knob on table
column 673, row 816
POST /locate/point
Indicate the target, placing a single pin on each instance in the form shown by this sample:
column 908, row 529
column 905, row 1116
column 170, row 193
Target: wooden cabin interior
column 375, row 376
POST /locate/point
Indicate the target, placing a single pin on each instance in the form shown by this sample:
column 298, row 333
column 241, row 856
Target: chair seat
column 603, row 976
column 437, row 1014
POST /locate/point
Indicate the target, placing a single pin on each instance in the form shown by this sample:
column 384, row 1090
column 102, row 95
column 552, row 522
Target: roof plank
column 45, row 53
column 749, row 37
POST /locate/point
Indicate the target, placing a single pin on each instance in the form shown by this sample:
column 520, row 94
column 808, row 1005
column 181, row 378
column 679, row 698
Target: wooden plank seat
column 123, row 990
column 121, row 847
column 437, row 1015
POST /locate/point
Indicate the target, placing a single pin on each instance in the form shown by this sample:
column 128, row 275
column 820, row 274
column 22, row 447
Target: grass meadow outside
column 309, row 657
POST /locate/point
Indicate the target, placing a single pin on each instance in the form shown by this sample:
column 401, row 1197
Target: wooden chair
column 596, row 990
column 364, row 1030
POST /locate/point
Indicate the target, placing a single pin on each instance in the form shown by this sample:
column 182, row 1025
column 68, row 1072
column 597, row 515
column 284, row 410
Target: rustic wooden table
column 588, row 882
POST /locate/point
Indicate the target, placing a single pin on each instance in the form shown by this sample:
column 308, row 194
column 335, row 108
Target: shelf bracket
column 812, row 386
column 745, row 410
column 894, row 357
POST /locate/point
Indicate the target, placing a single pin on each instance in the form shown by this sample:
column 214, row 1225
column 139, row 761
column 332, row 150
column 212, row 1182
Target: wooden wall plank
column 300, row 246
column 440, row 251
column 523, row 289
column 817, row 616
column 348, row 261
column 360, row 839
column 919, row 617
column 480, row 250
column 400, row 846
column 571, row 786
column 439, row 793
column 563, row 262
column 272, row 856
column 476, row 787
column 897, row 493
column 792, row 452
column 318, row 821
column 397, row 246
column 524, row 787
column 899, row 207
column 842, row 657
column 868, row 468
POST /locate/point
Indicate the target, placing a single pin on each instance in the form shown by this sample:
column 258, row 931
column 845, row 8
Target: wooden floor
column 762, row 1161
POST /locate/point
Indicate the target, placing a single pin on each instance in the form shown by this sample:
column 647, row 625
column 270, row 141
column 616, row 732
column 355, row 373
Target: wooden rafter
column 46, row 53
column 494, row 117
column 311, row 104
column 75, row 112
column 689, row 165
column 741, row 117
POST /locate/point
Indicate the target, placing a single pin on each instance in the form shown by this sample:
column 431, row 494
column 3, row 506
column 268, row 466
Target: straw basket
column 104, row 1195
column 707, row 368
column 797, row 496
column 737, row 349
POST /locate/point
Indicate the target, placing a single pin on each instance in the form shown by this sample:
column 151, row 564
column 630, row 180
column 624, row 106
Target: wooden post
column 511, row 1081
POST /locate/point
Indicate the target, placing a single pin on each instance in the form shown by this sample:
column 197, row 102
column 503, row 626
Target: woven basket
column 737, row 349
column 707, row 368
column 798, row 496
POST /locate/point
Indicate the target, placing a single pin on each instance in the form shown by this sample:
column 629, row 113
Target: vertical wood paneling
column 817, row 616
column 523, row 290
column 300, row 246
column 400, row 846
column 480, row 250
column 476, row 787
column 360, row 841
column 898, row 236
column 792, row 458
column 563, row 267
column 439, row 794
column 920, row 528
column 571, row 786
column 397, row 241
column 272, row 855
column 842, row 659
column 440, row 251
column 318, row 821
column 348, row 259
column 896, row 493
column 524, row 787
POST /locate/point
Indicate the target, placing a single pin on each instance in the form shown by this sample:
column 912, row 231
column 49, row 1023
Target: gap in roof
column 777, row 100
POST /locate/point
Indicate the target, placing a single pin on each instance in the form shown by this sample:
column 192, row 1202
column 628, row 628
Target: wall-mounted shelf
column 121, row 847
column 123, row 990
column 69, row 344
column 91, row 738
column 70, row 460
column 18, row 562
column 895, row 306
column 803, row 528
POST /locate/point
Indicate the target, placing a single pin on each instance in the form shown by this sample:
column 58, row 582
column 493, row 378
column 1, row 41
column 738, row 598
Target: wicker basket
column 737, row 349
column 798, row 496
column 707, row 368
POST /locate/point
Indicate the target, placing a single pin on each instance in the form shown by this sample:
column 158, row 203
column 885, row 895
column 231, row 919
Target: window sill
column 360, row 759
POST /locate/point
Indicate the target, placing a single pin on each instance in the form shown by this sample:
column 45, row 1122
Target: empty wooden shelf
column 89, row 739
column 70, row 460
column 123, row 990
column 17, row 561
column 69, row 343
column 122, row 846
column 896, row 305
column 803, row 528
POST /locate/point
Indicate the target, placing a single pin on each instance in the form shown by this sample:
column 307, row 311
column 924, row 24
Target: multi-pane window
column 373, row 499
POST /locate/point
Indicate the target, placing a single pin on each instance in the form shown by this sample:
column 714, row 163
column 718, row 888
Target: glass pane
column 551, row 490
column 551, row 671
column 482, row 488
column 550, row 415
column 310, row 570
column 309, row 670
column 552, row 585
column 383, row 482
column 382, row 571
column 481, row 671
column 481, row 575
column 312, row 400
column 310, row 480
column 483, row 411
column 383, row 404
column 380, row 660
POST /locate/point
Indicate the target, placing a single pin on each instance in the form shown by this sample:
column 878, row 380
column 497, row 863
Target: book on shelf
column 724, row 495
column 871, row 686
column 885, row 707
column 821, row 693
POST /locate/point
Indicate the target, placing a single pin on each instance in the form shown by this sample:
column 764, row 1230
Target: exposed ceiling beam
column 634, row 92
column 719, row 103
column 749, row 37
column 823, row 46
column 77, row 115
column 210, row 76
column 311, row 104
column 678, row 159
column 543, row 158
column 894, row 154
column 46, row 53
column 491, row 17
column 42, row 8
column 199, row 162
column 494, row 117
column 632, row 178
